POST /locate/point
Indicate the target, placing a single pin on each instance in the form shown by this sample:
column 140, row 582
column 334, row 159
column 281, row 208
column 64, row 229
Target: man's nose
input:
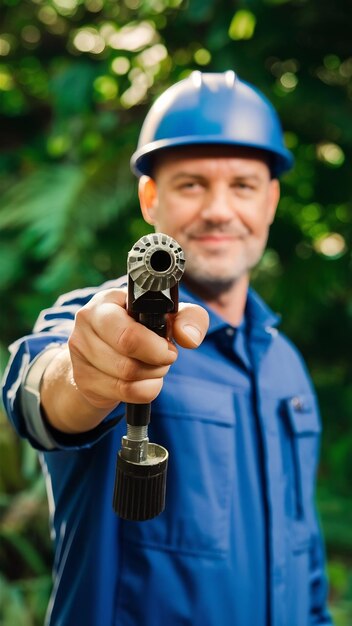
column 218, row 207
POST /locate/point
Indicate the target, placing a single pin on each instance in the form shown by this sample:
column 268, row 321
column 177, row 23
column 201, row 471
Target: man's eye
column 244, row 186
column 190, row 186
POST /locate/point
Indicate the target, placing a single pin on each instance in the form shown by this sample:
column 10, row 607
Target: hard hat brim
column 142, row 161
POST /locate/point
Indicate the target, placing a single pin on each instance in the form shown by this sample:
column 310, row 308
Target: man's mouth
column 216, row 238
column 210, row 237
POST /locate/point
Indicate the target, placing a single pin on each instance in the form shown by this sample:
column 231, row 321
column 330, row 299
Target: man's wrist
column 30, row 400
column 65, row 408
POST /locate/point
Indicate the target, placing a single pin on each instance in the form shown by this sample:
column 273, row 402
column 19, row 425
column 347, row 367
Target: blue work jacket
column 184, row 567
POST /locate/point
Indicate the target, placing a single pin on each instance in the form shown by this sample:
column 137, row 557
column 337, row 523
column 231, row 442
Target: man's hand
column 111, row 358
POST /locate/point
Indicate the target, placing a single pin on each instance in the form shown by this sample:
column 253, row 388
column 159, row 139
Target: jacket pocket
column 195, row 422
column 302, row 425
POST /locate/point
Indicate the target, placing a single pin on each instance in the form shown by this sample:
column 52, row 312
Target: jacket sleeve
column 305, row 427
column 319, row 614
column 318, row 582
column 52, row 329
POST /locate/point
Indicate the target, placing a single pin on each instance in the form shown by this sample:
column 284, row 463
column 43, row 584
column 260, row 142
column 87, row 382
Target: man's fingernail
column 193, row 333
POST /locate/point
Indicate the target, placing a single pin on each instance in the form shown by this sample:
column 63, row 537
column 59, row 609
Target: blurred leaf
column 336, row 516
column 72, row 88
column 13, row 610
column 24, row 550
column 10, row 265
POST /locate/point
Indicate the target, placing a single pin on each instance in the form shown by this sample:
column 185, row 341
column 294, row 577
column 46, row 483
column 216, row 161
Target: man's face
column 218, row 204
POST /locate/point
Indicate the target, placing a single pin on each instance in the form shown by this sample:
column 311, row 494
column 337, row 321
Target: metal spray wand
column 155, row 266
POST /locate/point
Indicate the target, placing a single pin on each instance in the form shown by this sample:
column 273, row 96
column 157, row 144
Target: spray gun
column 155, row 265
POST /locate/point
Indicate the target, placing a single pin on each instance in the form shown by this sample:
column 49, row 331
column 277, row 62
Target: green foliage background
column 76, row 79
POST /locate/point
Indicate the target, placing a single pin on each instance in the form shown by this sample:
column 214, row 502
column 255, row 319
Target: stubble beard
column 212, row 284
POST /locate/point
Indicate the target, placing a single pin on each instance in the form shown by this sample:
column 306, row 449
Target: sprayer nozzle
column 140, row 488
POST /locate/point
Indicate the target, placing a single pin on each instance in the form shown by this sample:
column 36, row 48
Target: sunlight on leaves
column 242, row 25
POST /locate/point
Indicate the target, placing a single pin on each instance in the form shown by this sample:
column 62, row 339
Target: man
column 238, row 543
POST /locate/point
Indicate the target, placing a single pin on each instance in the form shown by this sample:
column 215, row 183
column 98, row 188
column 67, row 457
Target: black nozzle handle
column 140, row 488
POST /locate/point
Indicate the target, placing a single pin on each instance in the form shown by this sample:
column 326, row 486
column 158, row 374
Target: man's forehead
column 186, row 156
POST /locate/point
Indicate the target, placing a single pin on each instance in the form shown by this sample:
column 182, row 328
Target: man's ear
column 148, row 196
column 273, row 199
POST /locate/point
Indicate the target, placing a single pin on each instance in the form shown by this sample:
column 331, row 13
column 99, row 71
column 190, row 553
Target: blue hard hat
column 211, row 108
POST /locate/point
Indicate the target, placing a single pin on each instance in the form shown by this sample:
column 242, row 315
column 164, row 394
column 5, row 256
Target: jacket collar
column 258, row 313
column 258, row 316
